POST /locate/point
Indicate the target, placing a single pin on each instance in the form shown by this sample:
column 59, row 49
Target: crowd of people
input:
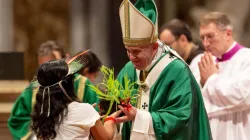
column 185, row 91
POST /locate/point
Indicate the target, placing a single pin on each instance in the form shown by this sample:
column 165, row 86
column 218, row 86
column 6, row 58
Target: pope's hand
column 130, row 114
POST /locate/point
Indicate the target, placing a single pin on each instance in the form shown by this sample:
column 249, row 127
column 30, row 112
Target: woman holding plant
column 58, row 114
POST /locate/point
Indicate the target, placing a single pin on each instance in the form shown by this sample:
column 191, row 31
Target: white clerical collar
column 157, row 56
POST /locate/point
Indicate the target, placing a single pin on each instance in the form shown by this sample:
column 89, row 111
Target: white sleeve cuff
column 143, row 123
column 209, row 80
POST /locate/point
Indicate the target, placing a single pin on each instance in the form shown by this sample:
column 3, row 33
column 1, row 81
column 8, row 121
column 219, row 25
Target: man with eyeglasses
column 225, row 80
column 177, row 34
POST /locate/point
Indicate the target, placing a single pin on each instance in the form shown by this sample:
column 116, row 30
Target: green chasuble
column 19, row 121
column 175, row 104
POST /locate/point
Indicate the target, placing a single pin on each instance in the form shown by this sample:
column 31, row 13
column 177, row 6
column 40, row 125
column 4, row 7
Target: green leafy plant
column 113, row 91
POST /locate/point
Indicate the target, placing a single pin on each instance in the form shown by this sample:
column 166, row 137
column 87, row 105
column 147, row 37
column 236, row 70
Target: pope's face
column 141, row 56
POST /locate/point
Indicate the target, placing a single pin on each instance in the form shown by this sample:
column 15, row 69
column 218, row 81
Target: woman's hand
column 115, row 114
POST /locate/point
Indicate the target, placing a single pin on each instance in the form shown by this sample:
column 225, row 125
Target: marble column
column 79, row 26
column 169, row 10
column 6, row 26
column 99, row 29
column 89, row 27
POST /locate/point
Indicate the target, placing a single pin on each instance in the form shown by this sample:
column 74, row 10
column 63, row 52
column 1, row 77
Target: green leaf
column 114, row 91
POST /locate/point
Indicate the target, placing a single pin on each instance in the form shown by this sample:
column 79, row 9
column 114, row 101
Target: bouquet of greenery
column 112, row 93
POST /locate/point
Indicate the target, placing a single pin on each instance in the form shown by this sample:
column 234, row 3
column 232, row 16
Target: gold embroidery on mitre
column 126, row 15
column 139, row 41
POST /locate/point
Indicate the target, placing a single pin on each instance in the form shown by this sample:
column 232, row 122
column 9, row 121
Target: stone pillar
column 169, row 10
column 6, row 26
column 89, row 28
column 99, row 29
column 79, row 26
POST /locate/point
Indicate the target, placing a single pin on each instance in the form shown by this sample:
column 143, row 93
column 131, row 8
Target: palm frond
column 114, row 91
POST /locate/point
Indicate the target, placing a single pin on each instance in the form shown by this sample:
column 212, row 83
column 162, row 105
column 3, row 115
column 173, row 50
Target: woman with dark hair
column 58, row 114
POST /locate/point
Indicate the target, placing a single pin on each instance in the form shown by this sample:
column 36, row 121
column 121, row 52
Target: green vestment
column 175, row 104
